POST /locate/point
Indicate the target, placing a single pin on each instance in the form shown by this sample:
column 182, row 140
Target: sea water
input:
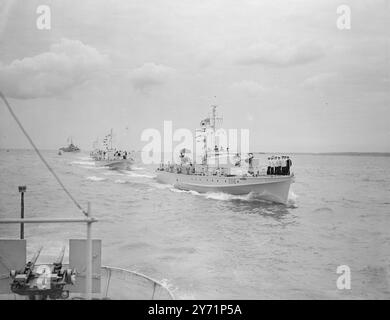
column 217, row 246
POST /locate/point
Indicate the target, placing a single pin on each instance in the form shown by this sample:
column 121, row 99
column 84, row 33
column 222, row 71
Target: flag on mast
column 205, row 122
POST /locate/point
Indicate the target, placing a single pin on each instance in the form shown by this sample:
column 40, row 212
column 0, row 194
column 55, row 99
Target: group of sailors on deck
column 175, row 168
column 111, row 155
column 279, row 165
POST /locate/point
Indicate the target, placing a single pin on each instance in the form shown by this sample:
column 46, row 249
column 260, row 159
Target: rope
column 108, row 282
column 40, row 155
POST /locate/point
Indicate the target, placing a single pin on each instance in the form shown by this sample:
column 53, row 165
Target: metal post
column 88, row 279
column 22, row 190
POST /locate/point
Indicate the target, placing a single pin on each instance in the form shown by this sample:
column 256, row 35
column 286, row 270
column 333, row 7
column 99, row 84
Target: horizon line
column 262, row 152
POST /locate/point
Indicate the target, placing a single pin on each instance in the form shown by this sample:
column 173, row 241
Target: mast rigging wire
column 40, row 155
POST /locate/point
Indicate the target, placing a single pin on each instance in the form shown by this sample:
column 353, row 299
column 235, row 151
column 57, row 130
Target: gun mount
column 41, row 282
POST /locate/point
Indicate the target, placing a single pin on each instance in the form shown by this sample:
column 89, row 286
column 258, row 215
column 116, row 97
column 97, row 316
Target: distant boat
column 70, row 148
column 21, row 279
column 110, row 157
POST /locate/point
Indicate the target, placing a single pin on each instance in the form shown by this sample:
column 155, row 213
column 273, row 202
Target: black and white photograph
column 215, row 150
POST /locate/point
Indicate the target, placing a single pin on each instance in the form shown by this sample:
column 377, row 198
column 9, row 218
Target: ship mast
column 214, row 116
column 111, row 139
column 212, row 124
column 214, row 119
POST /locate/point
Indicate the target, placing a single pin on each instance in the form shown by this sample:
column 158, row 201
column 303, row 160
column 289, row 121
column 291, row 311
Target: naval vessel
column 221, row 170
column 70, row 148
column 109, row 157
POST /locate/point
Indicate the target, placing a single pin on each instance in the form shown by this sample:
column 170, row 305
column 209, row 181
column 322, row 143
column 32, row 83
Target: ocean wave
column 229, row 197
column 222, row 196
column 323, row 210
column 138, row 175
column 373, row 179
column 90, row 163
column 113, row 173
column 137, row 168
column 91, row 167
column 292, row 200
column 184, row 295
column 173, row 189
column 94, row 178
column 120, row 181
column 161, row 186
column 169, row 285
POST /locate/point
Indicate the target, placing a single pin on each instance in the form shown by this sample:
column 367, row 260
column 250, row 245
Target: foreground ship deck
column 21, row 278
column 118, row 284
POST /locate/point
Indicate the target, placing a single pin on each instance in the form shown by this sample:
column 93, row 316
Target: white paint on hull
column 115, row 164
column 271, row 188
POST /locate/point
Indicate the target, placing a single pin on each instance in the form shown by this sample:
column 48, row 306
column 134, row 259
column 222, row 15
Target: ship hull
column 69, row 150
column 115, row 164
column 270, row 188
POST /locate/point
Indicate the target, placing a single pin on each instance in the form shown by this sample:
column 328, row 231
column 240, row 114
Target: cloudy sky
column 280, row 68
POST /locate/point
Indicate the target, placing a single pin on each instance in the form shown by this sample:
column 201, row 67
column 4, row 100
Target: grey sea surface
column 217, row 246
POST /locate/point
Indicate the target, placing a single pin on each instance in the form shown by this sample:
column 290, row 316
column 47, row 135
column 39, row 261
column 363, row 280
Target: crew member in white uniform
column 269, row 166
column 284, row 165
column 289, row 164
column 279, row 166
column 273, row 165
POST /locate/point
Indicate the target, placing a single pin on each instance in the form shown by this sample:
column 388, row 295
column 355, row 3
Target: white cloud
column 67, row 64
column 280, row 54
column 149, row 75
column 251, row 88
column 321, row 79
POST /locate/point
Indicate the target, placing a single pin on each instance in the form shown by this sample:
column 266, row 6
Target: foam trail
column 167, row 284
column 228, row 197
column 292, row 200
column 94, row 178
column 113, row 173
column 138, row 175
column 161, row 186
column 137, row 168
column 89, row 163
column 221, row 196
column 120, row 181
column 85, row 158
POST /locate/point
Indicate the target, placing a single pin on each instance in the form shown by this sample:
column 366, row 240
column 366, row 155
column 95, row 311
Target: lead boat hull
column 124, row 164
column 270, row 188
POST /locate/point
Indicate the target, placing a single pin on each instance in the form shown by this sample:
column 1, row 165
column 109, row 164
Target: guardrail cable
column 40, row 155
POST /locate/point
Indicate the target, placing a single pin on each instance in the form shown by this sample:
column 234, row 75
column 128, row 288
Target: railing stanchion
column 88, row 281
